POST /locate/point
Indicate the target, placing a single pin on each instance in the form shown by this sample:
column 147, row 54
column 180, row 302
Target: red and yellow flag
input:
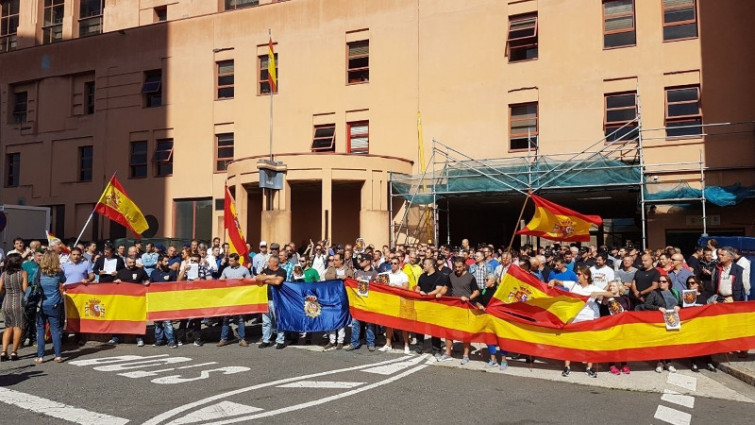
column 106, row 308
column 236, row 238
column 554, row 222
column 52, row 239
column 523, row 296
column 205, row 298
column 116, row 205
column 272, row 76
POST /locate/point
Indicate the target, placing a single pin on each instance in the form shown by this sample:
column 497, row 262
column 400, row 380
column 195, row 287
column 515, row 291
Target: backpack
column 33, row 296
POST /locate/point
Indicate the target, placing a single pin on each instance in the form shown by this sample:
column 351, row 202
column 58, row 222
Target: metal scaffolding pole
column 642, row 172
column 702, row 193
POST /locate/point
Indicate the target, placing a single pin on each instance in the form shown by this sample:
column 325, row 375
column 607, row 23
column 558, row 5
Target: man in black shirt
column 430, row 283
column 131, row 274
column 461, row 284
column 645, row 280
column 273, row 275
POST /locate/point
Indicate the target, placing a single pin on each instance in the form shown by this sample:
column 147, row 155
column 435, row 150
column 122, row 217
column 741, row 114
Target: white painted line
column 111, row 360
column 672, row 416
column 173, row 412
column 141, row 364
column 684, row 381
column 396, row 367
column 224, row 409
column 676, row 398
column 57, row 410
column 321, row 384
column 146, row 373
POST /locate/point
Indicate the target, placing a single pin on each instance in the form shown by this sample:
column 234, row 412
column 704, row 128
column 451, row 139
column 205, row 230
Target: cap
column 160, row 247
column 187, row 244
column 263, row 243
column 40, row 250
column 275, row 246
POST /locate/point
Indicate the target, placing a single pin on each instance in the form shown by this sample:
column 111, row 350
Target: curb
column 737, row 373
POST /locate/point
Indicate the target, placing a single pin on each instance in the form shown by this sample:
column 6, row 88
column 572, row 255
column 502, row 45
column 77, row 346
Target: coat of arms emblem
column 312, row 307
column 518, row 294
column 94, row 308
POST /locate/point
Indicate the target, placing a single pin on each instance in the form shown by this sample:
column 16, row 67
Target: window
column 522, row 43
column 683, row 114
column 193, row 219
column 325, row 138
column 523, row 126
column 163, row 158
column 620, row 110
column 358, row 69
column 223, row 151
column 239, row 4
column 263, row 84
column 679, row 19
column 138, row 160
column 52, row 28
column 20, row 100
column 152, row 89
column 89, row 97
column 86, row 154
column 225, row 79
column 161, row 14
column 618, row 23
column 12, row 169
column 359, row 137
column 90, row 17
column 8, row 24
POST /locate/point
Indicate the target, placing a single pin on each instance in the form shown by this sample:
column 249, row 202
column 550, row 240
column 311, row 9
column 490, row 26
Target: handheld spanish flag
column 52, row 240
column 116, row 205
column 236, row 239
column 554, row 222
column 272, row 76
column 525, row 297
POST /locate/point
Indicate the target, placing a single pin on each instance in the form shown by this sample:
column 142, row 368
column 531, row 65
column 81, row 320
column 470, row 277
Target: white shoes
column 386, row 348
column 671, row 369
column 407, row 350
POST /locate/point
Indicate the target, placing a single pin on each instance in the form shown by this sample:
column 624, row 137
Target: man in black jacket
column 107, row 266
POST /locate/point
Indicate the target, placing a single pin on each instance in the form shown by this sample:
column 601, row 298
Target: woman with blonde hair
column 51, row 279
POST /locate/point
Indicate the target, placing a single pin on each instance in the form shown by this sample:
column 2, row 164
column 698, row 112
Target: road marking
column 141, row 364
column 111, row 360
column 224, row 409
column 203, row 374
column 396, row 367
column 672, row 416
column 683, row 381
column 676, row 398
column 57, row 410
column 173, row 412
column 321, row 384
column 145, row 373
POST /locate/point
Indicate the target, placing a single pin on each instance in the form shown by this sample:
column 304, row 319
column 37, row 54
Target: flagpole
column 270, row 37
column 91, row 214
column 518, row 220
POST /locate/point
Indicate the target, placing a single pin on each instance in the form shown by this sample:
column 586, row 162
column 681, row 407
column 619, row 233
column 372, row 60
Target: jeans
column 164, row 328
column 341, row 336
column 356, row 331
column 241, row 324
column 268, row 326
column 50, row 315
column 492, row 349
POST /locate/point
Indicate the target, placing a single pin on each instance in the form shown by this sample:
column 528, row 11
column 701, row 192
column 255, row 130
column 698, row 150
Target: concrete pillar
column 374, row 217
column 276, row 223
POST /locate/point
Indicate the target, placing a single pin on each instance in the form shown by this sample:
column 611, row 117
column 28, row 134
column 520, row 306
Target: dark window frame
column 356, row 51
column 152, row 88
column 20, row 112
column 670, row 25
column 691, row 123
column 194, row 214
column 228, row 90
column 163, row 157
column 350, row 135
column 91, row 18
column 223, row 143
column 609, row 127
column 52, row 23
column 610, row 34
column 160, row 13
column 520, row 46
column 9, row 19
column 86, row 163
column 234, row 4
column 12, row 169
column 89, row 97
column 533, row 137
column 138, row 167
column 317, row 140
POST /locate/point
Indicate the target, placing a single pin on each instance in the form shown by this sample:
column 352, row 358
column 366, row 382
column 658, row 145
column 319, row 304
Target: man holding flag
column 236, row 241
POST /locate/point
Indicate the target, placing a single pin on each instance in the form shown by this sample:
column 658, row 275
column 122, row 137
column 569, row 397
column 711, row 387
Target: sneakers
column 113, row 341
column 407, row 350
column 659, row 368
column 198, row 343
column 140, row 343
column 614, row 370
column 386, row 348
column 180, row 343
column 445, row 358
column 464, row 360
column 329, row 346
column 243, row 343
column 339, row 346
column 566, row 371
column 710, row 367
column 280, row 346
column 371, row 348
column 591, row 373
column 173, row 345
column 504, row 365
column 158, row 344
column 264, row 345
column 351, row 348
column 418, row 349
column 694, row 368
column 222, row 343
column 671, row 369
column 625, row 370
column 491, row 364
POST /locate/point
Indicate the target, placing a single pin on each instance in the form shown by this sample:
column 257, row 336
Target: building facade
column 173, row 95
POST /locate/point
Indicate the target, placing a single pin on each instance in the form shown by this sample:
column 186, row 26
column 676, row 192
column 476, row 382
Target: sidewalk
column 742, row 369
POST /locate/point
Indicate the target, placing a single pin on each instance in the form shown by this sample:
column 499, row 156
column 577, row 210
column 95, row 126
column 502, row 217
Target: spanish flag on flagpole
column 236, row 240
column 525, row 297
column 554, row 222
column 272, row 76
column 116, row 205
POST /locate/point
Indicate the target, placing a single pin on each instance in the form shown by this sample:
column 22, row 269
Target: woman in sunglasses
column 693, row 283
column 662, row 299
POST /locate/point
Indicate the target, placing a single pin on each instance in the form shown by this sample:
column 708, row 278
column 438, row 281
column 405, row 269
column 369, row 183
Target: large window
column 620, row 111
column 679, row 19
column 523, row 126
column 8, row 24
column 193, row 219
column 152, row 89
column 52, row 28
column 12, row 169
column 224, row 86
column 138, row 160
column 90, row 17
column 324, row 139
column 263, row 84
column 618, row 23
column 359, row 137
column 163, row 158
column 223, row 151
column 86, row 156
column 358, row 64
column 522, row 41
column 20, row 100
column 683, row 113
column 238, row 4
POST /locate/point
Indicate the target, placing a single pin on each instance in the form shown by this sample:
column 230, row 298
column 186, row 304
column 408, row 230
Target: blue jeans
column 224, row 331
column 356, row 333
column 268, row 326
column 164, row 328
column 51, row 315
column 492, row 349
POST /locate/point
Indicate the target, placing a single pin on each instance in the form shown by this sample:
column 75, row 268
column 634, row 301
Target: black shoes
column 264, row 345
column 280, row 346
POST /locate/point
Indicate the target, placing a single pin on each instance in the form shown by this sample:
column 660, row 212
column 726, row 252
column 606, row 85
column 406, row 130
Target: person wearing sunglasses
column 662, row 299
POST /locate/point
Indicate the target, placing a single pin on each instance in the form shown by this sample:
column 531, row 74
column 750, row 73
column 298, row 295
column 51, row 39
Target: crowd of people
column 615, row 280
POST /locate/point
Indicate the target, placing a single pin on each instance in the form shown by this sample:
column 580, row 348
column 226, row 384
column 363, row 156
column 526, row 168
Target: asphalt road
column 102, row 384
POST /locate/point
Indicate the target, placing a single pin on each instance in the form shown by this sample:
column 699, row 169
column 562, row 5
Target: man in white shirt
column 743, row 262
column 601, row 273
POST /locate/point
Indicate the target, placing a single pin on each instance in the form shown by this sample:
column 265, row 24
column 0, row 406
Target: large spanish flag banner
column 236, row 240
column 554, row 222
column 205, row 298
column 523, row 297
column 116, row 205
column 107, row 308
column 629, row 336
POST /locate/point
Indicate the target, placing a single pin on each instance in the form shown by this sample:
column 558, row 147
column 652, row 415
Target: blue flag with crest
column 311, row 307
